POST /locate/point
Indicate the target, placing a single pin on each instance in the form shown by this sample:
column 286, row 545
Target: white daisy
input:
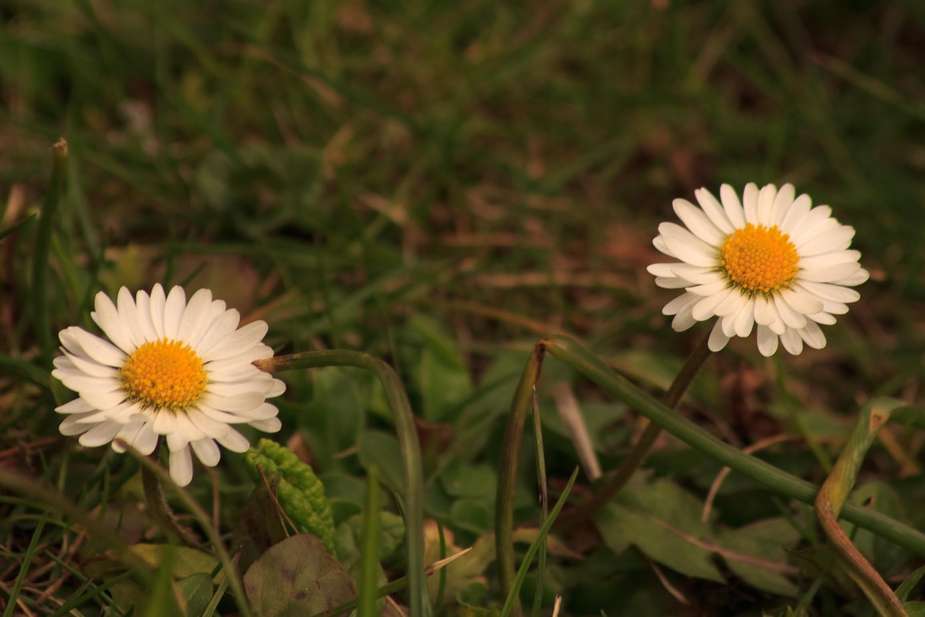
column 776, row 263
column 174, row 368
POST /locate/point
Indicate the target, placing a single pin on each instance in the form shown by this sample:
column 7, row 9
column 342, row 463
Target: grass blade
column 535, row 547
column 369, row 569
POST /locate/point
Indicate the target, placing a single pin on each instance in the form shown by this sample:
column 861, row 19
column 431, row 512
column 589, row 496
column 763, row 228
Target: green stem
column 158, row 507
column 408, row 442
column 510, row 454
column 231, row 572
column 576, row 355
column 369, row 572
column 609, row 488
column 47, row 218
column 831, row 499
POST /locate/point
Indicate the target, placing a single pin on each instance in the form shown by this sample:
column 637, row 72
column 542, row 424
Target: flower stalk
column 408, row 442
column 831, row 500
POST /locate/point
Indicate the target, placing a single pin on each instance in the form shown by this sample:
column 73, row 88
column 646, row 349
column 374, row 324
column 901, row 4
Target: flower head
column 771, row 261
column 170, row 367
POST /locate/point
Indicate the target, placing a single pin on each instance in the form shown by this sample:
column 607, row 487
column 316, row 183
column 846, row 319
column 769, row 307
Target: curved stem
column 231, row 573
column 157, row 505
column 831, row 499
column 510, row 455
column 408, row 442
column 577, row 356
column 609, row 487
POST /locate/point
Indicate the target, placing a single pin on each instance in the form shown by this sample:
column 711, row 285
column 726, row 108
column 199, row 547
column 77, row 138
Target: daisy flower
column 169, row 367
column 770, row 262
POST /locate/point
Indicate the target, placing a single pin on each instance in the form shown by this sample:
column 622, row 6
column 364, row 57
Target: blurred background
column 441, row 182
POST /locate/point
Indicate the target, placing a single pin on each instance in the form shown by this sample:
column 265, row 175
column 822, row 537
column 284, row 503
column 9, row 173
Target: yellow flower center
column 759, row 259
column 164, row 374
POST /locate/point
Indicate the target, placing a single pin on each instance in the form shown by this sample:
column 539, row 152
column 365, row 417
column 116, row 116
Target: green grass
column 437, row 184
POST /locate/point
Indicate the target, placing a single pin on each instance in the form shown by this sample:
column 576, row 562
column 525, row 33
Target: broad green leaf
column 196, row 591
column 478, row 481
column 381, row 449
column 443, row 377
column 621, row 527
column 297, row 577
column 348, row 534
column 186, row 561
column 759, row 554
column 475, row 515
column 886, row 556
column 910, row 583
column 159, row 600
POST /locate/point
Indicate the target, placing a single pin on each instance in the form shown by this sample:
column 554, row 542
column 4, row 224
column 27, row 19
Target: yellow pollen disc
column 759, row 259
column 164, row 374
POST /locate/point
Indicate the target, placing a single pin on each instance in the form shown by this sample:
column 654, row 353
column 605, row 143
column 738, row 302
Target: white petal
column 103, row 400
column 671, row 282
column 187, row 429
column 697, row 222
column 729, row 325
column 128, row 315
column 687, row 247
column 750, row 203
column 767, row 341
column 801, row 301
column 717, row 339
column 239, row 402
column 680, row 303
column 156, row 304
column 765, row 312
column 826, row 260
column 778, row 327
column 146, row 439
column 732, row 206
column 836, row 308
column 794, row 216
column 661, row 270
column 683, row 320
column 789, row 316
column 216, row 310
column 91, row 367
column 823, row 318
column 746, row 319
column 792, row 342
column 813, row 335
column 220, row 330
column 193, row 322
column 100, row 434
column 782, row 203
column 857, row 278
column 173, row 311
column 222, row 416
column 143, row 316
column 126, row 434
column 78, row 405
column 207, row 452
column 710, row 289
column 209, row 426
column 270, row 425
column 165, row 422
column 181, row 466
column 837, row 240
column 713, row 210
column 81, row 382
column 108, row 319
column 827, row 275
column 766, row 203
column 814, row 228
column 704, row 309
column 276, row 389
column 72, row 425
column 697, row 275
column 79, row 340
column 234, row 441
column 659, row 243
column 243, row 338
column 262, row 412
column 732, row 304
column 834, row 293
column 256, row 386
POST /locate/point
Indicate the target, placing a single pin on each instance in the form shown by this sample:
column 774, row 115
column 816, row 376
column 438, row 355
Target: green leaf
column 186, row 561
column 443, row 377
column 475, row 515
column 196, row 591
column 886, row 556
column 470, row 481
column 348, row 536
column 763, row 546
column 381, row 449
column 297, row 577
column 299, row 490
column 910, row 583
column 663, row 521
column 159, row 600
